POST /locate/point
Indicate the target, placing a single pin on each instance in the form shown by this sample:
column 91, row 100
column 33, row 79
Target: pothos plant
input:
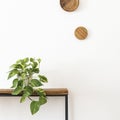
column 27, row 80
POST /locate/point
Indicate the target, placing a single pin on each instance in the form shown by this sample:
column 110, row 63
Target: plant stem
column 30, row 98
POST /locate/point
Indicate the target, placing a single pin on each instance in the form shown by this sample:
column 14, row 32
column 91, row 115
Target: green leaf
column 34, row 107
column 15, row 83
column 39, row 60
column 26, row 60
column 29, row 71
column 12, row 66
column 43, row 78
column 32, row 60
column 28, row 89
column 13, row 73
column 35, row 83
column 27, row 92
column 18, row 66
column 23, row 75
column 18, row 61
column 35, row 64
column 42, row 100
column 17, row 90
column 36, row 70
column 24, row 96
column 40, row 92
column 20, row 83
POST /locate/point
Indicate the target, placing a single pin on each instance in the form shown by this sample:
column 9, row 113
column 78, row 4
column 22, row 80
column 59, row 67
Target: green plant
column 27, row 80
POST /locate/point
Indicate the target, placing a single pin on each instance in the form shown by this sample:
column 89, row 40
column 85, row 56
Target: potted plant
column 27, row 80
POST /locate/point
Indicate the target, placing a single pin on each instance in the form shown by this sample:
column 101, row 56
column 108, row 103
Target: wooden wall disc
column 69, row 5
column 81, row 33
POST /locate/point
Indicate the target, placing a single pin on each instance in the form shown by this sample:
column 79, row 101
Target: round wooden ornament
column 81, row 33
column 69, row 5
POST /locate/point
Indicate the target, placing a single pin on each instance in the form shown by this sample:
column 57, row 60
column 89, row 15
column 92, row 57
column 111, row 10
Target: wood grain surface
column 69, row 5
column 81, row 33
column 49, row 91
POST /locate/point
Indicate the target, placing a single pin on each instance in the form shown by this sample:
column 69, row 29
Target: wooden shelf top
column 49, row 91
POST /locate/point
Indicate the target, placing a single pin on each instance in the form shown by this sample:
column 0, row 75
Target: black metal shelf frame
column 65, row 96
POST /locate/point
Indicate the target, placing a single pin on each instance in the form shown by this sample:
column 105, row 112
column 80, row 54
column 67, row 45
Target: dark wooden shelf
column 49, row 91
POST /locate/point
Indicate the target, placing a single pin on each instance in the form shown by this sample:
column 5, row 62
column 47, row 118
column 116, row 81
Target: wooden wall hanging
column 69, row 5
column 81, row 33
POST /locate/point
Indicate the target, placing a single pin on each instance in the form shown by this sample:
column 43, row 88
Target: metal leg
column 66, row 107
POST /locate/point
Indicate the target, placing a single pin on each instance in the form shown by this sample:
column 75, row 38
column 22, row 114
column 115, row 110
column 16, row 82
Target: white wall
column 90, row 69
